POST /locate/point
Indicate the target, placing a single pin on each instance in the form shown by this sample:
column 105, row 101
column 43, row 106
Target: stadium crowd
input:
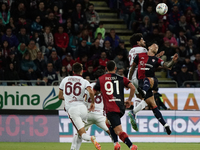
column 42, row 39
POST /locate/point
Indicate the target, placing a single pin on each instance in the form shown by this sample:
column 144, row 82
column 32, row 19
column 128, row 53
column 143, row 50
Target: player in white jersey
column 96, row 116
column 72, row 90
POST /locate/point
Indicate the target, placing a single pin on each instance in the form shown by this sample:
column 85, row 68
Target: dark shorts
column 114, row 118
column 149, row 92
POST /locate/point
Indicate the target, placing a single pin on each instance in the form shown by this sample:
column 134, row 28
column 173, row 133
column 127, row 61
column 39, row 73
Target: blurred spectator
column 56, row 61
column 182, row 51
column 22, row 23
column 5, row 49
column 85, row 4
column 119, row 61
column 95, row 50
column 5, row 13
column 19, row 11
column 189, row 65
column 169, row 51
column 189, row 14
column 149, row 3
column 86, row 36
column 61, row 41
column 185, row 4
column 11, row 25
column 36, row 25
column 63, row 73
column 194, row 27
column 58, row 14
column 50, row 74
column 28, row 68
column 122, row 50
column 197, row 75
column 12, row 58
column 2, row 61
column 23, row 37
column 39, row 42
column 51, row 21
column 109, row 50
column 89, row 73
column 32, row 48
column 12, row 39
column 191, row 49
column 101, row 30
column 21, row 49
column 68, row 62
column 155, row 37
column 40, row 63
column 158, row 99
column 136, row 18
column 197, row 60
column 103, row 59
column 121, row 72
column 83, row 60
column 48, row 39
column 41, row 11
column 101, row 41
column 150, row 12
column 181, row 38
column 174, row 17
column 171, row 39
column 182, row 25
column 113, row 38
column 2, row 28
column 82, row 49
column 145, row 28
column 92, row 17
column 11, row 74
column 70, row 7
column 78, row 18
column 163, row 25
column 184, row 76
column 69, row 28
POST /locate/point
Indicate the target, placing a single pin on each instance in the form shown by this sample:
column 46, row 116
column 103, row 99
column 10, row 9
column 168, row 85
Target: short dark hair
column 110, row 65
column 135, row 38
column 77, row 68
column 99, row 73
column 100, row 23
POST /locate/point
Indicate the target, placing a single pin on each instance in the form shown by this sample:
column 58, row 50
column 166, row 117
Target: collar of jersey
column 77, row 75
column 136, row 46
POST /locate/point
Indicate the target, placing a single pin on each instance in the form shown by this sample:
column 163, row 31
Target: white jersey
column 132, row 54
column 74, row 88
column 98, row 102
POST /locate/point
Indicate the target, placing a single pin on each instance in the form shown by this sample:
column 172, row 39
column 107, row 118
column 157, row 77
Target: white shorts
column 78, row 115
column 134, row 80
column 98, row 119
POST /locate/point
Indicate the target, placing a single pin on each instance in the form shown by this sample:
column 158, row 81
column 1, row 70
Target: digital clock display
column 29, row 127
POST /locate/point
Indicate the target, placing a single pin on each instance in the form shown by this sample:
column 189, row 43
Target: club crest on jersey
column 153, row 60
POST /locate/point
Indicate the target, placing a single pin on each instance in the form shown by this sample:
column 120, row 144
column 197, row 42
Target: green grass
column 89, row 146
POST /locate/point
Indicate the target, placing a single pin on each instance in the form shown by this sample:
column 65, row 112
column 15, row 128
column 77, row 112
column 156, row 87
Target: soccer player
column 94, row 117
column 147, row 64
column 112, row 86
column 72, row 90
column 139, row 45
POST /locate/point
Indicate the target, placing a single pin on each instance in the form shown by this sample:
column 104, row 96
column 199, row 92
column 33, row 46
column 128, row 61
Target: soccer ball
column 161, row 8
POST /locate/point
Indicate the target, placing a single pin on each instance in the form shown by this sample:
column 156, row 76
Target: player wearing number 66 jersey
column 93, row 117
column 72, row 90
column 112, row 86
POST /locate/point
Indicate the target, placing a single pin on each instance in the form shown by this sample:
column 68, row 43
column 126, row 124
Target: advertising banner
column 46, row 97
column 185, row 126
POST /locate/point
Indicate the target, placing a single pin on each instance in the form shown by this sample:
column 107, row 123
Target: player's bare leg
column 124, row 137
column 86, row 137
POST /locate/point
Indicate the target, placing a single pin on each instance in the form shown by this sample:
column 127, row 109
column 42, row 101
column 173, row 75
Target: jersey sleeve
column 97, row 86
column 62, row 85
column 160, row 62
column 126, row 81
column 136, row 59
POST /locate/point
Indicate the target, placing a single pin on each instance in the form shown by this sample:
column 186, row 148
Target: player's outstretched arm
column 60, row 95
column 132, row 70
column 91, row 93
column 172, row 62
column 160, row 54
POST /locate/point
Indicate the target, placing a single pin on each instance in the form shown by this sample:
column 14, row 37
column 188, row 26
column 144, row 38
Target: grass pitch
column 90, row 146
